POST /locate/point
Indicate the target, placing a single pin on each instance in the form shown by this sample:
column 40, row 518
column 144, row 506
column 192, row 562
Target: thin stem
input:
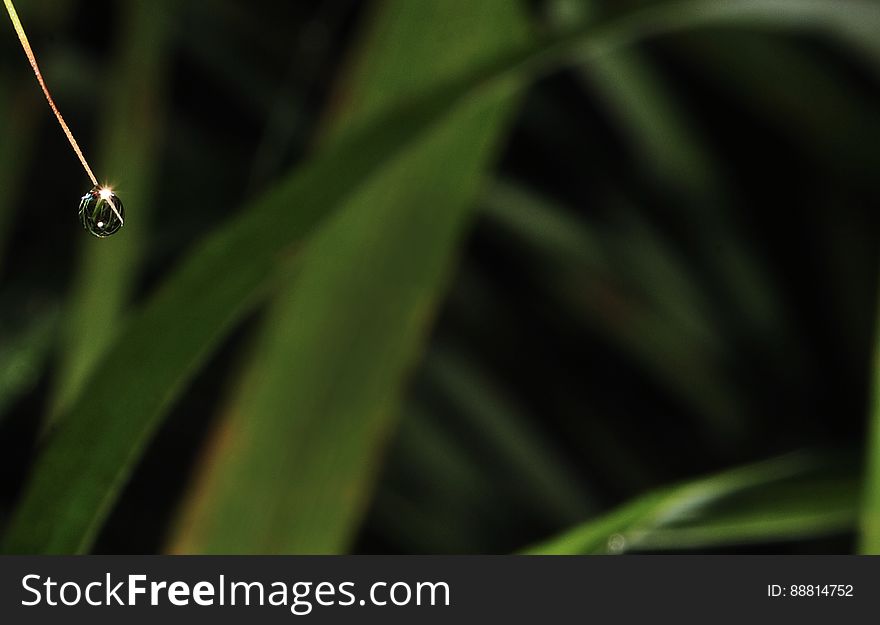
column 25, row 44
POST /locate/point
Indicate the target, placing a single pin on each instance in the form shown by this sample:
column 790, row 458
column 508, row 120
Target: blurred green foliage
column 443, row 276
column 345, row 329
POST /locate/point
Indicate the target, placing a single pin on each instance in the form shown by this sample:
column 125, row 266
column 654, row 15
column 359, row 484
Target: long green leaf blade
column 870, row 509
column 777, row 500
column 301, row 441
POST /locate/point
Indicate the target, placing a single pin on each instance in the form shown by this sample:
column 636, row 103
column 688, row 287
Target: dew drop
column 616, row 543
column 101, row 212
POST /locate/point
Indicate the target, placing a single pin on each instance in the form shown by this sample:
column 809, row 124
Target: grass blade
column 664, row 321
column 321, row 392
column 544, row 482
column 640, row 102
column 782, row 499
column 870, row 509
column 23, row 352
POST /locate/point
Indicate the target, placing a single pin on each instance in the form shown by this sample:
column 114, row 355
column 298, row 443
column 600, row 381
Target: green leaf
column 788, row 498
column 636, row 291
column 433, row 490
column 301, row 441
column 640, row 102
column 527, row 458
column 870, row 509
column 773, row 77
column 23, row 352
column 81, row 467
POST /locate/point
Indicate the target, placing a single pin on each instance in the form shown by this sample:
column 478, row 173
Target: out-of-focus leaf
column 630, row 286
column 434, row 490
column 231, row 31
column 528, row 460
column 870, row 509
column 799, row 511
column 797, row 92
column 82, row 466
column 644, row 107
column 784, row 499
column 128, row 157
column 300, row 443
column 22, row 354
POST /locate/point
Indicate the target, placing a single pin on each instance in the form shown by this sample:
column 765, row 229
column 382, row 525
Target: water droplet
column 616, row 543
column 101, row 212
